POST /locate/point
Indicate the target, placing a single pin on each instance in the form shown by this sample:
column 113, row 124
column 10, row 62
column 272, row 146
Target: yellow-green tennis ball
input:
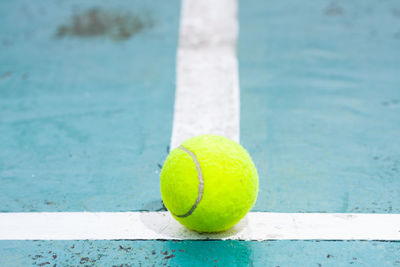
column 209, row 183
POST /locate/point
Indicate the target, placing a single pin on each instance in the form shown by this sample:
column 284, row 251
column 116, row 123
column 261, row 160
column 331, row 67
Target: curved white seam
column 201, row 182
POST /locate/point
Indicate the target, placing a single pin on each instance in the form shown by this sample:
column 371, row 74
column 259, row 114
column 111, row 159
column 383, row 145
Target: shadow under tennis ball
column 167, row 227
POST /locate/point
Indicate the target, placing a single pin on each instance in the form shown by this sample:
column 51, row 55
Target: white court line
column 207, row 93
column 161, row 226
column 206, row 101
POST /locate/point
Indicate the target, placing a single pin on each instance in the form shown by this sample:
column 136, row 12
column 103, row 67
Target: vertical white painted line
column 207, row 93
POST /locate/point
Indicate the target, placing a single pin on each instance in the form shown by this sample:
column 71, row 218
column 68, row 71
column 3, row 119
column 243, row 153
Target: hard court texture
column 320, row 103
column 86, row 112
column 199, row 253
column 86, row 103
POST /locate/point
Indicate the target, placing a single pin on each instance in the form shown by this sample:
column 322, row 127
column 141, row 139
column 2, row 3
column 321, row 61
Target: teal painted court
column 87, row 93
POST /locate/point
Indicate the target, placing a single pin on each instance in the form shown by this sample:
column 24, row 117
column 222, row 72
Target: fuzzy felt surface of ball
column 209, row 183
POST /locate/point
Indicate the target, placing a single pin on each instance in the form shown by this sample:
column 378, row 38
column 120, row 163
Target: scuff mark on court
column 95, row 22
column 333, row 10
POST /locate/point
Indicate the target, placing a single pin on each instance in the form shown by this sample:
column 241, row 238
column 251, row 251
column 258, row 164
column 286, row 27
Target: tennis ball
column 209, row 183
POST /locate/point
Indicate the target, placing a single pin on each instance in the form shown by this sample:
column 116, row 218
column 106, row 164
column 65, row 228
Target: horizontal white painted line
column 161, row 225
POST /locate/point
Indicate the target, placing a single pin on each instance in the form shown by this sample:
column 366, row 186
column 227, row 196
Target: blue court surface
column 87, row 93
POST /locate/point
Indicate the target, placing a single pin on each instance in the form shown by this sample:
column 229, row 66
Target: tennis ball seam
column 201, row 182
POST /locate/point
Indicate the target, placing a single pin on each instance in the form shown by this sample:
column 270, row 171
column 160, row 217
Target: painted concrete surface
column 258, row 226
column 320, row 103
column 86, row 103
column 199, row 253
column 207, row 85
